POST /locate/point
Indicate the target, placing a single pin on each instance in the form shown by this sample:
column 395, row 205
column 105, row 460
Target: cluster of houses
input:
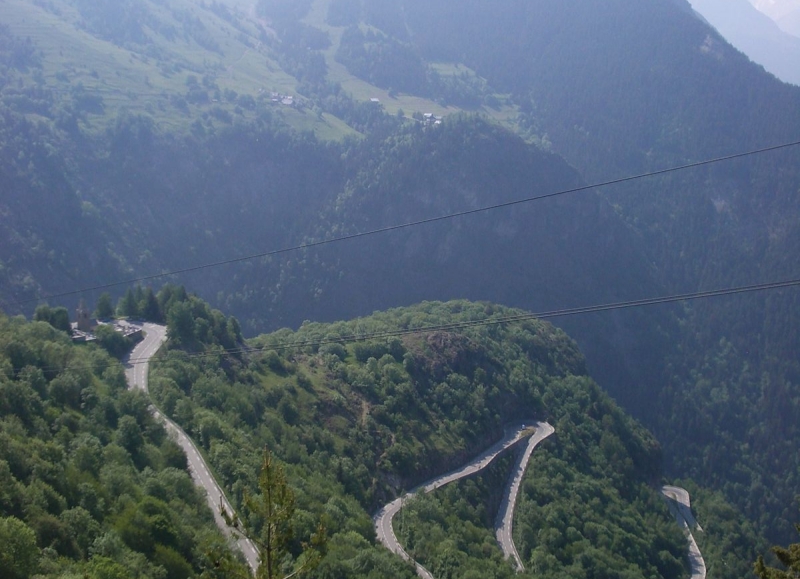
column 427, row 119
column 282, row 99
column 278, row 98
column 431, row 120
column 83, row 330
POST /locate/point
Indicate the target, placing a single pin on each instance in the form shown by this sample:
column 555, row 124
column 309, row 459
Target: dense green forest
column 613, row 100
column 790, row 562
column 141, row 136
column 93, row 487
column 355, row 423
column 90, row 484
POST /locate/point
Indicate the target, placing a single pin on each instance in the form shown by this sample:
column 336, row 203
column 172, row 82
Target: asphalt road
column 681, row 507
column 513, row 434
column 136, row 369
column 505, row 517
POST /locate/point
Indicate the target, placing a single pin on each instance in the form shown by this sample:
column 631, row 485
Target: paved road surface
column 680, row 505
column 136, row 368
column 505, row 517
column 383, row 519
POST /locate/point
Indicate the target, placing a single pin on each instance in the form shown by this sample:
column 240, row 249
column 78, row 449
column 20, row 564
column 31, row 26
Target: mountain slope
column 615, row 88
column 785, row 12
column 755, row 34
column 622, row 87
column 90, row 483
column 357, row 422
column 178, row 61
column 252, row 189
column 541, row 256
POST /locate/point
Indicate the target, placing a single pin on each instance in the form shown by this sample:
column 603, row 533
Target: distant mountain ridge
column 102, row 183
column 785, row 12
column 756, row 34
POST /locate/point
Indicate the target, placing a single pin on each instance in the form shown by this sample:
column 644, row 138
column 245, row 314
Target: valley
column 139, row 138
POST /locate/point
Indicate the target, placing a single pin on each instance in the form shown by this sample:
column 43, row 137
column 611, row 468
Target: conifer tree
column 127, row 306
column 789, row 557
column 149, row 308
column 105, row 307
column 275, row 509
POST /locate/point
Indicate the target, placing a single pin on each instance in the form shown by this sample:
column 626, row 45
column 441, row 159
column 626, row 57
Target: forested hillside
column 90, row 484
column 756, row 34
column 625, row 87
column 358, row 422
column 140, row 137
column 253, row 188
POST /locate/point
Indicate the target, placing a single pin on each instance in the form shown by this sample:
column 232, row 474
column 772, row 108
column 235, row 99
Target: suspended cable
column 396, row 227
column 564, row 312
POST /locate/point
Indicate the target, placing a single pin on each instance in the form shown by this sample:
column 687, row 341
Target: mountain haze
column 140, row 137
column 785, row 12
column 756, row 34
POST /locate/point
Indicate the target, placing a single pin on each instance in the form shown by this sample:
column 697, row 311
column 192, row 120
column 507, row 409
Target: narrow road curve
column 505, row 517
column 513, row 434
column 680, row 505
column 137, row 364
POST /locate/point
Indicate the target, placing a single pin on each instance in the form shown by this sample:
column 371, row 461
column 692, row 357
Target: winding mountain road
column 505, row 517
column 513, row 434
column 681, row 507
column 137, row 364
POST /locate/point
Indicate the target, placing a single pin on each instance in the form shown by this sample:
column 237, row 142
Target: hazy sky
column 776, row 8
column 786, row 13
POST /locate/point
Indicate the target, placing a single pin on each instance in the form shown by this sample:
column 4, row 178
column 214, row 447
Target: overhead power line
column 410, row 224
column 550, row 314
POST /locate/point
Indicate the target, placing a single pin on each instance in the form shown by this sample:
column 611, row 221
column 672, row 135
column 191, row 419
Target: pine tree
column 275, row 508
column 105, row 307
column 789, row 557
column 127, row 306
column 149, row 308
